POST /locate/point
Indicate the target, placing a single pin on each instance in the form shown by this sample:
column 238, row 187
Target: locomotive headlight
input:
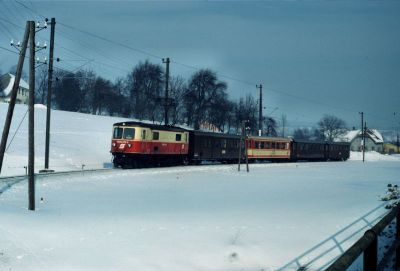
column 113, row 144
column 129, row 145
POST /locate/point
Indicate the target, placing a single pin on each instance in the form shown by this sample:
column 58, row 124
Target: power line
column 28, row 8
column 113, row 42
column 147, row 53
column 11, row 51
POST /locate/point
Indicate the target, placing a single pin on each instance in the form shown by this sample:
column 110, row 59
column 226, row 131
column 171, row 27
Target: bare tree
column 41, row 84
column 331, row 127
column 203, row 92
column 87, row 80
column 67, row 94
column 271, row 126
column 303, row 134
column 246, row 110
column 145, row 86
column 177, row 93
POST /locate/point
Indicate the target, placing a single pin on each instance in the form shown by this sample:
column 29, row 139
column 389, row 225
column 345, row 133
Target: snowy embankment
column 76, row 139
column 373, row 156
column 184, row 218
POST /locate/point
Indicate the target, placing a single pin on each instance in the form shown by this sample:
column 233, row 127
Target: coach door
column 144, row 144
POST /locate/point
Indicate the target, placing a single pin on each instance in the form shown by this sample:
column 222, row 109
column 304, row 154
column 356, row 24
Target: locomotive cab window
column 129, row 133
column 156, row 135
column 118, row 133
column 178, row 137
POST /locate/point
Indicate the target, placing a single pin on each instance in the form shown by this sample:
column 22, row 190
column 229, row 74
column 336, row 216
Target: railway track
column 7, row 182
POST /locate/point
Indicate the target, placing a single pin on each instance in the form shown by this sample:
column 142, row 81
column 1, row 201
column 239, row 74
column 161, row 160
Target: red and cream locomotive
column 139, row 144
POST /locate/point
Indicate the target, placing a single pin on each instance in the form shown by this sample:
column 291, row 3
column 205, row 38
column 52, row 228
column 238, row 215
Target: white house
column 6, row 85
column 373, row 140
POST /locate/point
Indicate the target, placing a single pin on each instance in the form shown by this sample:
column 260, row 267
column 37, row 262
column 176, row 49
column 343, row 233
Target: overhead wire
column 152, row 55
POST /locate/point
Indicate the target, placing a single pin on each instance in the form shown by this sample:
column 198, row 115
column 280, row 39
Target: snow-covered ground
column 76, row 139
column 184, row 218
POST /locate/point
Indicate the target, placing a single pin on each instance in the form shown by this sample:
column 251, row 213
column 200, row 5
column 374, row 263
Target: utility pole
column 240, row 146
column 362, row 132
column 245, row 149
column 283, row 124
column 166, row 105
column 31, row 154
column 365, row 130
column 49, row 93
column 260, row 118
column 243, row 137
column 14, row 93
column 398, row 143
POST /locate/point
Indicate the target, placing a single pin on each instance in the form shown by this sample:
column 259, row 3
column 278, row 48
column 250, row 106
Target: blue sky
column 313, row 57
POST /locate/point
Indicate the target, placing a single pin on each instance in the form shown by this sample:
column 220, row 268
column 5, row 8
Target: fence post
column 371, row 253
column 397, row 263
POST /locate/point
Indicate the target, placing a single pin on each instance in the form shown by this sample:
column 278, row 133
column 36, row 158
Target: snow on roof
column 374, row 134
column 7, row 90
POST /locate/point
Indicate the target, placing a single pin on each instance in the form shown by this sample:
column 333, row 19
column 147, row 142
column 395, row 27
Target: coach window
column 118, row 132
column 129, row 133
column 143, row 134
column 257, row 145
column 156, row 135
column 262, row 145
column 273, row 145
column 178, row 137
column 224, row 143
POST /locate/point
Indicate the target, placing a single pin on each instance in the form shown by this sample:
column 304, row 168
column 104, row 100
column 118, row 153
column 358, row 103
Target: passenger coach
column 268, row 148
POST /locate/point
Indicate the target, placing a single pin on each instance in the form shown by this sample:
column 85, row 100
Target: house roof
column 7, row 82
column 374, row 134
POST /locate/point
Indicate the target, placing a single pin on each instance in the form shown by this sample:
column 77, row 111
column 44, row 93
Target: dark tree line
column 329, row 128
column 201, row 102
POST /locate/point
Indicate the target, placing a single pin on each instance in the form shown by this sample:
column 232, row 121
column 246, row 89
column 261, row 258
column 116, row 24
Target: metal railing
column 329, row 249
column 368, row 246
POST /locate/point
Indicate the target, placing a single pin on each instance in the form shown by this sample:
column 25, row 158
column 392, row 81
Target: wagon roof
column 214, row 134
column 320, row 142
column 309, row 141
column 271, row 138
column 151, row 126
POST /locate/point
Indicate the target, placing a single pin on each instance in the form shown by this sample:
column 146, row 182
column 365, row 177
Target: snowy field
column 184, row 218
column 76, row 140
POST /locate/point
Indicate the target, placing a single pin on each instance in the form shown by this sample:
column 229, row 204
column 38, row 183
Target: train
column 137, row 145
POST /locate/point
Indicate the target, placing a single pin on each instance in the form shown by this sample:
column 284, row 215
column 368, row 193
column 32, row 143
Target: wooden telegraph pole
column 260, row 118
column 240, row 146
column 166, row 106
column 14, row 92
column 362, row 132
column 49, row 93
column 31, row 155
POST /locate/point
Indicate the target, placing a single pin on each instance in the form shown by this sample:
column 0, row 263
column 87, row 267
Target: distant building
column 373, row 140
column 391, row 148
column 6, row 85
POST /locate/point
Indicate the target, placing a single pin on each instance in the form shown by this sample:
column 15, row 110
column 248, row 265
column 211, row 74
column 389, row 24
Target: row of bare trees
column 201, row 101
column 329, row 128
